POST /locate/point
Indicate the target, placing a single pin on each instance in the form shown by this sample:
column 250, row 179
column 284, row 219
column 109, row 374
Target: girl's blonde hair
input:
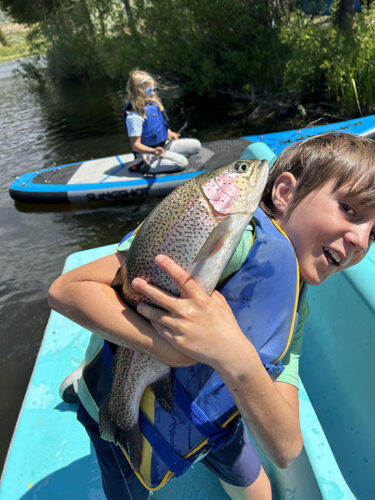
column 136, row 88
column 348, row 159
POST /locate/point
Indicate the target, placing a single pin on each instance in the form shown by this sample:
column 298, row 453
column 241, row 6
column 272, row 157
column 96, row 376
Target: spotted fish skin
column 199, row 226
column 180, row 237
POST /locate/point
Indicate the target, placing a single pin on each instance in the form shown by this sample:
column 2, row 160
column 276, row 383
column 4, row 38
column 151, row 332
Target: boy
column 319, row 205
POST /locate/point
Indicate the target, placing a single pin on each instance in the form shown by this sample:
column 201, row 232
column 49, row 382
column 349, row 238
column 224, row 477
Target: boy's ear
column 282, row 192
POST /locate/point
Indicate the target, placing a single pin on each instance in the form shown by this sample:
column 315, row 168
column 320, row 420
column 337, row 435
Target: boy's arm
column 85, row 296
column 204, row 328
column 269, row 409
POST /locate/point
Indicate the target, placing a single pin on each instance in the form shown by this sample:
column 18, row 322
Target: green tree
column 131, row 19
column 345, row 16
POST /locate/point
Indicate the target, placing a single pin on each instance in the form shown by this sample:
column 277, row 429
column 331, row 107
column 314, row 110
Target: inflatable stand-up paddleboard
column 109, row 179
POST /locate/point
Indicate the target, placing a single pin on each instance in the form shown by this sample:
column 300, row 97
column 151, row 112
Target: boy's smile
column 330, row 231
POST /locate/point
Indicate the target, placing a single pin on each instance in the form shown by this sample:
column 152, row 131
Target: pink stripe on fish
column 221, row 192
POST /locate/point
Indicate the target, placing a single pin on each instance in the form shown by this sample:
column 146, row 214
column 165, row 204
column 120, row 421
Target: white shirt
column 134, row 124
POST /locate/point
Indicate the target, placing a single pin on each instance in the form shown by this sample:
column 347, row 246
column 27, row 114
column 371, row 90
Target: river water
column 59, row 124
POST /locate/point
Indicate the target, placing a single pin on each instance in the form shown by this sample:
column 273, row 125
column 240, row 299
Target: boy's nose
column 359, row 236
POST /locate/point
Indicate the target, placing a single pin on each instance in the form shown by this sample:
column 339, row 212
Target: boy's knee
column 260, row 489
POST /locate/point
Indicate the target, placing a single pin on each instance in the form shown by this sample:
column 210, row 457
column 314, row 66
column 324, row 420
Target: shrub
column 326, row 64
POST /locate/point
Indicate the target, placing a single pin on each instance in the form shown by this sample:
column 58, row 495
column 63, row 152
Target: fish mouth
column 260, row 174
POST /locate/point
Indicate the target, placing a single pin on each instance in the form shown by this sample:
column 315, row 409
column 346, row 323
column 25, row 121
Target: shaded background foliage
column 313, row 49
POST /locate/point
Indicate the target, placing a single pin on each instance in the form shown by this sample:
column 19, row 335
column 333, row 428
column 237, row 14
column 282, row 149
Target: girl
column 147, row 128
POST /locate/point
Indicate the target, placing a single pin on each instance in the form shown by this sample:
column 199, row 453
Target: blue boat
column 278, row 141
column 109, row 179
column 323, row 8
column 50, row 456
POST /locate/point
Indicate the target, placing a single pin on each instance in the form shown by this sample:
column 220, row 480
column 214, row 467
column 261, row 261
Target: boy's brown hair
column 348, row 158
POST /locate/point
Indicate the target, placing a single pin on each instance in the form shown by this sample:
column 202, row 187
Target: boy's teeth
column 335, row 256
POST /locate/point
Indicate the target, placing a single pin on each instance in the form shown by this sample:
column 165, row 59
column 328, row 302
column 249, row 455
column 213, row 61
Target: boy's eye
column 372, row 236
column 347, row 208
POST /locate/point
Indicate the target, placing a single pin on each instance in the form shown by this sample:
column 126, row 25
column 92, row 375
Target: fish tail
column 130, row 440
column 163, row 390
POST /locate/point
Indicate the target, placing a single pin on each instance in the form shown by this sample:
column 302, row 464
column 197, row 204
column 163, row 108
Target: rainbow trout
column 198, row 225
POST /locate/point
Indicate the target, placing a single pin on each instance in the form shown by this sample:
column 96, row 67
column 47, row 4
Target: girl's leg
column 186, row 147
column 172, row 162
column 260, row 489
column 118, row 479
column 175, row 156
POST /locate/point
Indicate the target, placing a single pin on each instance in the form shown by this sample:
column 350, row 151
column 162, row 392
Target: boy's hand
column 199, row 325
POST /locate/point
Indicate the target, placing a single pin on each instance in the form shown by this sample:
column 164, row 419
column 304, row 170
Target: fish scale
column 182, row 237
column 199, row 226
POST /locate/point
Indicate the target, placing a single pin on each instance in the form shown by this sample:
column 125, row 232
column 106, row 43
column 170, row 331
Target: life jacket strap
column 273, row 370
column 177, row 464
column 216, row 436
column 213, row 437
column 193, row 412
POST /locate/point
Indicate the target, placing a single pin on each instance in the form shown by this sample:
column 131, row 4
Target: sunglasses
column 151, row 90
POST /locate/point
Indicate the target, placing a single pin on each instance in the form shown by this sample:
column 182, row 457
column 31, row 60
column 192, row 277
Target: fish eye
column 242, row 167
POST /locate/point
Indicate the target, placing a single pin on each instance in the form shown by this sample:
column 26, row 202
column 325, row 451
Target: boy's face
column 330, row 231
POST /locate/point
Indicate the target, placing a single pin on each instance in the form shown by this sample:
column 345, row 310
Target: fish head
column 235, row 187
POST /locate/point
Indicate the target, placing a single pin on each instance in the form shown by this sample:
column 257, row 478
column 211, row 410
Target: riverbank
column 254, row 112
column 15, row 38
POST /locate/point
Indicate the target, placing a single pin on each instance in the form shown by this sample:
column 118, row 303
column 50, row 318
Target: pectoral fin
column 214, row 242
column 163, row 390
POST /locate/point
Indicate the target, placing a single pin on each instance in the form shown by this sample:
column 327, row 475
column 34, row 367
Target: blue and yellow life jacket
column 264, row 295
column 155, row 126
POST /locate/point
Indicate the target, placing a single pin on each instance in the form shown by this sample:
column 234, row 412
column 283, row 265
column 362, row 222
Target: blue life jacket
column 155, row 126
column 264, row 295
